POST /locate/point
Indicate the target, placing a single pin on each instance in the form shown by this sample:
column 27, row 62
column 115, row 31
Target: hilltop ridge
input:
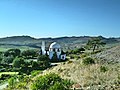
column 71, row 42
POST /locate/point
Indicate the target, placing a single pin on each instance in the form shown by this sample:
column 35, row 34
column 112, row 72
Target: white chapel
column 54, row 48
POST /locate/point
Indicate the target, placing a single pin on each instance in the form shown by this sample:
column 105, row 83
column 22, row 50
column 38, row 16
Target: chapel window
column 58, row 50
column 54, row 49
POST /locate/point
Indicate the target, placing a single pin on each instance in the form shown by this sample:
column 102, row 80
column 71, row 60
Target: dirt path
column 3, row 86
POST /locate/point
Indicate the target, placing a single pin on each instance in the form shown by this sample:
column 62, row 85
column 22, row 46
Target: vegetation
column 12, row 52
column 50, row 82
column 19, row 62
column 24, row 68
column 54, row 58
column 95, row 43
column 88, row 60
column 29, row 53
column 43, row 61
column 35, row 72
column 12, row 82
column 76, row 51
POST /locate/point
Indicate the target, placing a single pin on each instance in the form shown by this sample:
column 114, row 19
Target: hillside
column 110, row 55
column 92, row 77
column 66, row 42
column 98, row 75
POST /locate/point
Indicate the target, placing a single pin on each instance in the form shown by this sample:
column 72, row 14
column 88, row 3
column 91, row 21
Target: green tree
column 54, row 58
column 12, row 52
column 95, row 43
column 30, row 53
column 43, row 61
column 1, row 59
column 35, row 64
column 7, row 60
column 19, row 62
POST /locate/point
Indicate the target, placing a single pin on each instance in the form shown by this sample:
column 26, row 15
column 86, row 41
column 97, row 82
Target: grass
column 90, row 75
column 8, row 73
column 6, row 47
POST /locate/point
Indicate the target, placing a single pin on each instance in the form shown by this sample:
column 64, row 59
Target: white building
column 54, row 48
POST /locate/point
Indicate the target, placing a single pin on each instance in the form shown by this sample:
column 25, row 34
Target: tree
column 19, row 62
column 95, row 43
column 35, row 64
column 55, row 58
column 43, row 61
column 7, row 60
column 29, row 53
column 1, row 59
column 12, row 52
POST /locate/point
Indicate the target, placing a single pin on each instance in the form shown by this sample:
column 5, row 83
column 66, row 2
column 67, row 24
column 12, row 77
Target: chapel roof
column 55, row 45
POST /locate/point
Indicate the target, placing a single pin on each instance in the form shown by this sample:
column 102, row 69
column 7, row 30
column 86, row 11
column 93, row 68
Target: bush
column 7, row 60
column 54, row 58
column 103, row 69
column 12, row 52
column 88, row 61
column 34, row 73
column 83, row 55
column 35, row 64
column 57, row 86
column 19, row 62
column 69, row 62
column 49, row 82
column 4, row 76
column 72, row 57
column 12, row 82
column 30, row 53
column 43, row 61
column 21, row 86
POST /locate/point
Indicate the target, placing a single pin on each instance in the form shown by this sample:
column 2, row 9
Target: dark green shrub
column 83, row 55
column 72, row 57
column 88, row 61
column 103, row 69
column 77, row 57
column 35, row 64
column 30, row 53
column 54, row 58
column 7, row 60
column 4, row 76
column 19, row 62
column 43, row 61
column 69, row 62
column 12, row 52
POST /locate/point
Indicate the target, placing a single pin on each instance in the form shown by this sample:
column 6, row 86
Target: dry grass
column 89, row 75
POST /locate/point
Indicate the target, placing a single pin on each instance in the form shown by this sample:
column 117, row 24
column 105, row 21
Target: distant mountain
column 66, row 42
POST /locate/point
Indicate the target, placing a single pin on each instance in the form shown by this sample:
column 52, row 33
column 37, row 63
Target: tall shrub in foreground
column 50, row 82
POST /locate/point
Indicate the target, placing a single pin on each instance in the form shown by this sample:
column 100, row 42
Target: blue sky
column 56, row 18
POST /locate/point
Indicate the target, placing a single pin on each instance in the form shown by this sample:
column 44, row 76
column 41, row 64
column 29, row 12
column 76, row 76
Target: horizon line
column 62, row 36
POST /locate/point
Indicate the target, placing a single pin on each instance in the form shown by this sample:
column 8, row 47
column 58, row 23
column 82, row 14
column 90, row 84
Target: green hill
column 65, row 42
